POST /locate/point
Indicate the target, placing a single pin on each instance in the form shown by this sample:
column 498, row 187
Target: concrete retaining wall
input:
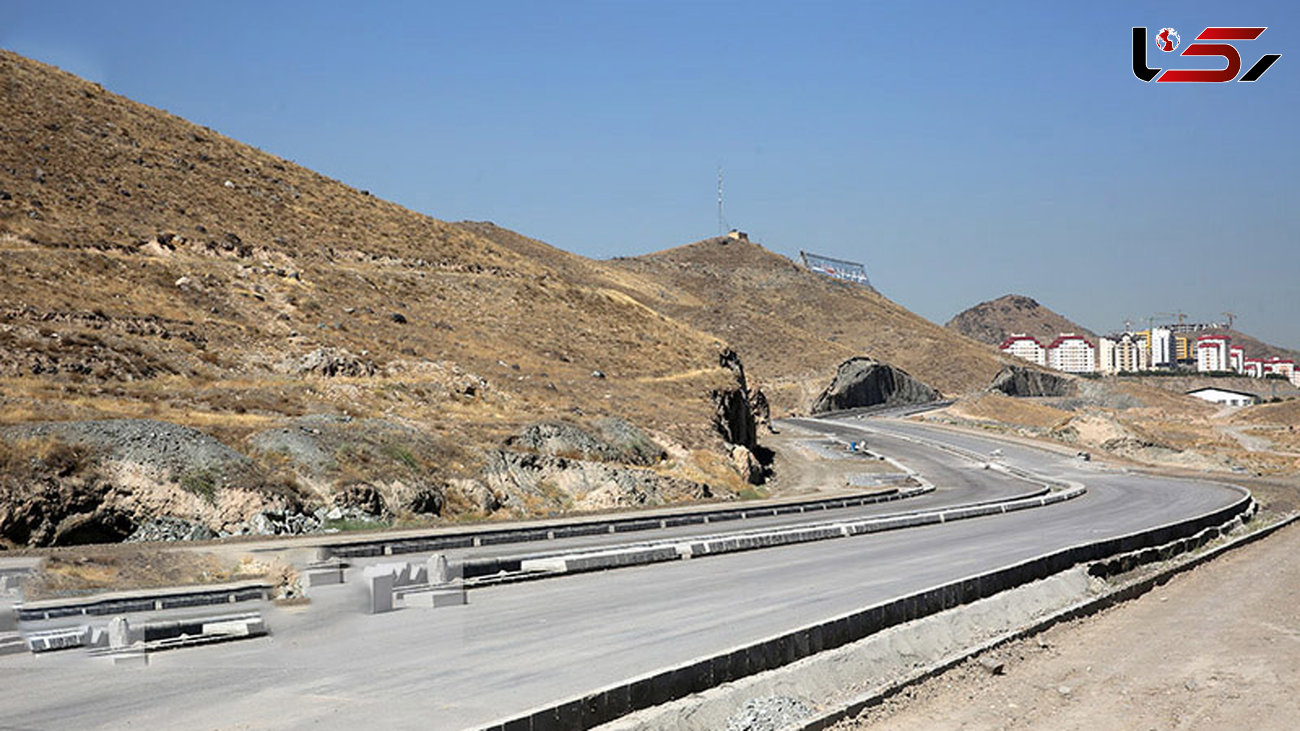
column 610, row 703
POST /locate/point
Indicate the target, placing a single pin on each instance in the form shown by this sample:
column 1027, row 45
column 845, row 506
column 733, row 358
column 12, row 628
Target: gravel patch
column 768, row 714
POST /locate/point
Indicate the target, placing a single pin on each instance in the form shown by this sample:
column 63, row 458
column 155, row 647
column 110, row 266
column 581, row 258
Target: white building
column 1162, row 347
column 1237, row 359
column 1125, row 353
column 1131, row 353
column 1025, row 347
column 1224, row 396
column 1284, row 367
column 1106, row 362
column 1212, row 353
column 1253, row 367
column 1072, row 353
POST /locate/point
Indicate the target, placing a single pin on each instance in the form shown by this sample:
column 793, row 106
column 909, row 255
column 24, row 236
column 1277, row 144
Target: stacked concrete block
column 57, row 639
column 324, row 575
column 381, row 592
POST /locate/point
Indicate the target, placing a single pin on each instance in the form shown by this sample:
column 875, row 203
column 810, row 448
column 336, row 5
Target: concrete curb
column 660, row 687
column 536, row 567
column 1080, row 610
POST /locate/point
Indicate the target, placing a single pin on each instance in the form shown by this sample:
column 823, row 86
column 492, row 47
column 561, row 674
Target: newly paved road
column 519, row 646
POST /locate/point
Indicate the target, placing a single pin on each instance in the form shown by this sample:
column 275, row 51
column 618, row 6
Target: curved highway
column 517, row 647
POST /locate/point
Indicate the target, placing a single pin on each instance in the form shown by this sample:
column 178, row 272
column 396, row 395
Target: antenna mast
column 722, row 226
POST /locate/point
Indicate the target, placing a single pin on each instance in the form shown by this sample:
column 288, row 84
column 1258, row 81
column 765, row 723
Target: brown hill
column 991, row 322
column 793, row 327
column 351, row 350
column 153, row 268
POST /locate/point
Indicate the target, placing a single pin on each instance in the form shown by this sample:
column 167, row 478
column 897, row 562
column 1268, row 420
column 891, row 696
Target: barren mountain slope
column 991, row 322
column 153, row 268
column 793, row 327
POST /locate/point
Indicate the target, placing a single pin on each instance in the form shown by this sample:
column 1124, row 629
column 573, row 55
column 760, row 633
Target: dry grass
column 69, row 573
column 1285, row 413
column 1005, row 409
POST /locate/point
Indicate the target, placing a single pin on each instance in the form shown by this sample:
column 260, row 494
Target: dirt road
column 1217, row 647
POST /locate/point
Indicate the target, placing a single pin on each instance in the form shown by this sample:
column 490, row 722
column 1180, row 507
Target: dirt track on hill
column 1217, row 647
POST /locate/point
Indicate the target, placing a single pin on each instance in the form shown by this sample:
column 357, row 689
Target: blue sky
column 961, row 150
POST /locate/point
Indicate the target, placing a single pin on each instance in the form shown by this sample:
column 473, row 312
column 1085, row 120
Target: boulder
column 362, row 497
column 1014, row 380
column 747, row 465
column 863, row 381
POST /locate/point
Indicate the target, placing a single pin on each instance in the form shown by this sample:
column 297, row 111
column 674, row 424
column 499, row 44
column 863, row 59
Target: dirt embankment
column 1216, row 647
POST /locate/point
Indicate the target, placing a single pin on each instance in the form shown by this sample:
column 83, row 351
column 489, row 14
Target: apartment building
column 1072, row 353
column 1025, row 347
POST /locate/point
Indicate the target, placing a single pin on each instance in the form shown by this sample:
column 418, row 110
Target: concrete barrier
column 600, row 560
column 421, row 544
column 57, row 639
column 660, row 687
column 148, row 600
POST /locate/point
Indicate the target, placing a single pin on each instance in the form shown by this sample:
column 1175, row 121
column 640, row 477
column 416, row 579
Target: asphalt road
column 516, row 647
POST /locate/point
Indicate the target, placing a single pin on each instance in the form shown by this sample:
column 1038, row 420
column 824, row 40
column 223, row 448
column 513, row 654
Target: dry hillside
column 991, row 322
column 793, row 327
column 153, row 268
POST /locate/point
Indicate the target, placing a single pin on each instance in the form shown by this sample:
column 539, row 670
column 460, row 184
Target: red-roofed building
column 1212, row 353
column 1072, row 353
column 1025, row 347
column 1284, row 367
column 1237, row 359
column 1253, row 367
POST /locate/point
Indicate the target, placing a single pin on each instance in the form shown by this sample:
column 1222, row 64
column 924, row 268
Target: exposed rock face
column 1014, row 380
column 171, row 529
column 534, row 483
column 471, row 495
column 610, row 440
column 762, row 410
column 747, row 465
column 362, row 497
column 95, row 481
column 734, row 407
column 734, row 418
column 865, row 381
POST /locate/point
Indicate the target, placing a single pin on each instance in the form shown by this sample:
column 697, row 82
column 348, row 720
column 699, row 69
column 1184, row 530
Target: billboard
column 851, row 271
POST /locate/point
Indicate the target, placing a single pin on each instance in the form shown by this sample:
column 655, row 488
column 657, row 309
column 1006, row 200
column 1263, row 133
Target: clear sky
column 961, row 150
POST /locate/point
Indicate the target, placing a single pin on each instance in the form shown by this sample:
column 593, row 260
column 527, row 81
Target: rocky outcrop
column 734, row 418
column 470, row 495
column 109, row 477
column 608, row 440
column 862, row 381
column 1014, row 380
column 762, row 411
column 167, row 528
column 750, row 469
column 334, row 362
column 534, row 484
column 734, row 408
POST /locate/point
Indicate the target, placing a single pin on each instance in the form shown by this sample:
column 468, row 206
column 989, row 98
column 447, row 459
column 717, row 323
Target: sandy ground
column 807, row 463
column 1217, row 647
